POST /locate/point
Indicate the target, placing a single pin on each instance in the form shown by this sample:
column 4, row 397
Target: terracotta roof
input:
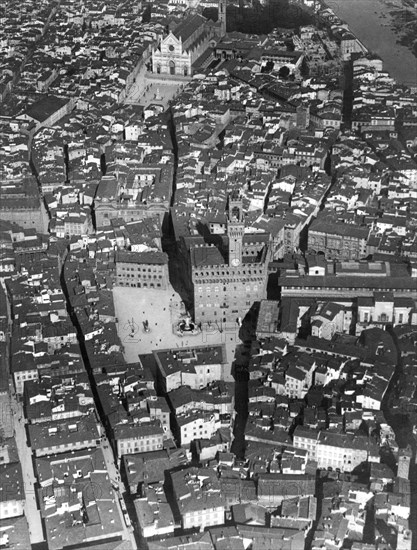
column 187, row 27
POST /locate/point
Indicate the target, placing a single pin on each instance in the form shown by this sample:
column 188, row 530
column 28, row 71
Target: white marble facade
column 170, row 57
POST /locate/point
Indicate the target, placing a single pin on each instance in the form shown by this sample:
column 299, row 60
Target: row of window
column 345, row 289
column 242, row 281
column 383, row 318
column 223, row 306
column 226, row 274
column 215, row 313
column 306, row 445
column 5, row 508
column 225, row 289
column 200, row 428
column 69, row 446
column 195, row 435
column 330, row 453
column 143, row 269
column 140, row 441
column 137, row 449
column 73, row 226
column 28, row 376
column 292, row 382
column 140, row 285
column 213, row 512
column 141, row 275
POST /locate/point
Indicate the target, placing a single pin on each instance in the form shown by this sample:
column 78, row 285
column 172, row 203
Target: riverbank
column 405, row 25
column 373, row 23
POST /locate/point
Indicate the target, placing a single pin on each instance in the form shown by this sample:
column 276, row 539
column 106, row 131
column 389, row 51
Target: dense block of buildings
column 195, row 425
column 77, row 501
column 194, row 367
column 148, row 468
column 345, row 281
column 274, row 488
column 12, row 499
column 217, row 396
column 306, row 438
column 339, row 451
column 20, row 202
column 142, row 269
column 73, row 223
column 247, row 161
column 330, row 318
column 154, row 513
column 131, row 437
column 298, row 379
column 199, row 497
column 61, row 436
column 345, row 451
column 338, row 241
column 383, row 309
column 149, row 194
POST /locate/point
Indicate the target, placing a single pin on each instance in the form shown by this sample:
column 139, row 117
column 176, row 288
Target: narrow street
column 118, row 487
column 32, row 512
column 241, row 407
column 241, row 377
column 105, row 446
column 398, row 421
column 413, row 503
column 401, row 425
column 347, row 93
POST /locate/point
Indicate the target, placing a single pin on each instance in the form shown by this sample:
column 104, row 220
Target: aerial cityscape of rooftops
column 208, row 267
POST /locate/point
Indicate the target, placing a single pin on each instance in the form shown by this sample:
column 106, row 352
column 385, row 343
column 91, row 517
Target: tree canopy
column 262, row 19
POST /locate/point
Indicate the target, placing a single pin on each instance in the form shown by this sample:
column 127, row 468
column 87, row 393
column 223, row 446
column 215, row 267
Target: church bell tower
column 235, row 230
column 222, row 17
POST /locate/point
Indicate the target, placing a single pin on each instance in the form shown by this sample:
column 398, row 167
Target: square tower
column 222, row 17
column 235, row 230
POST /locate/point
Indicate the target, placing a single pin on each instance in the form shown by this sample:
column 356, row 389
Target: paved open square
column 148, row 319
column 148, row 89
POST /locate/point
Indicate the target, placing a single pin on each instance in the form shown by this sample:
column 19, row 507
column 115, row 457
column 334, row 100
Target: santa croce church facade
column 186, row 42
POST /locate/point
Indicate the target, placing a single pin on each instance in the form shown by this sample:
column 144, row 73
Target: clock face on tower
column 235, row 262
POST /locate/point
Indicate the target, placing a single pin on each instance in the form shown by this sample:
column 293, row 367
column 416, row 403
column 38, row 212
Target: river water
column 369, row 20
